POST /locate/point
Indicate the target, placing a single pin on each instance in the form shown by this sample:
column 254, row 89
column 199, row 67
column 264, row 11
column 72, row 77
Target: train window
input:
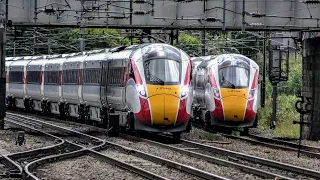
column 33, row 77
column 162, row 71
column 234, row 77
column 70, row 76
column 92, row 76
column 15, row 77
column 51, row 77
column 115, row 76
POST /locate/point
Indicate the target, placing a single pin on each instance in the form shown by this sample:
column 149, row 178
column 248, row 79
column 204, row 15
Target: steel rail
column 83, row 149
column 9, row 162
column 210, row 159
column 179, row 166
column 271, row 143
column 282, row 142
column 255, row 159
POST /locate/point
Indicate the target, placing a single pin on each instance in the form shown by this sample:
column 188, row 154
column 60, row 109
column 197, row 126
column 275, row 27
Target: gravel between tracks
column 185, row 159
column 83, row 167
column 148, row 165
column 33, row 141
column 288, row 157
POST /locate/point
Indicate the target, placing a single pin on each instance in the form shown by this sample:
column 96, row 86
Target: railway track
column 32, row 162
column 272, row 143
column 308, row 150
column 9, row 169
column 247, row 163
column 191, row 172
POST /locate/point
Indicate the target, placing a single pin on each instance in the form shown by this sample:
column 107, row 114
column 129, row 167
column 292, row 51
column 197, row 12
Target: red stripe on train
column 144, row 114
column 182, row 116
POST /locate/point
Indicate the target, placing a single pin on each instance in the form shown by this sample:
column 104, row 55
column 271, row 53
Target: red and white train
column 226, row 91
column 138, row 88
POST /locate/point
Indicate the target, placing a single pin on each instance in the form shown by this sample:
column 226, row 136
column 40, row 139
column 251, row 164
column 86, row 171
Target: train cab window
column 234, row 77
column 70, row 76
column 92, row 76
column 15, row 77
column 33, row 77
column 162, row 71
column 115, row 76
column 51, row 77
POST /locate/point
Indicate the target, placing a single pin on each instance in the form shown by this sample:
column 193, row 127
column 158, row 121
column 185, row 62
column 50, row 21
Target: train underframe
column 203, row 118
column 113, row 120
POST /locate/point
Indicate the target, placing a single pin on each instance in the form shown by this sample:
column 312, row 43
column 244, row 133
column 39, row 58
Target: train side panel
column 53, row 84
column 34, row 84
column 72, row 84
column 17, row 86
column 117, row 63
column 93, row 85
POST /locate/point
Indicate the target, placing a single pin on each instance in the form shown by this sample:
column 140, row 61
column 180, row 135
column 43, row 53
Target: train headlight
column 216, row 93
column 142, row 90
column 184, row 91
column 251, row 94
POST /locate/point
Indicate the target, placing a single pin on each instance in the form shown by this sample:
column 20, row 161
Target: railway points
column 190, row 150
column 172, row 164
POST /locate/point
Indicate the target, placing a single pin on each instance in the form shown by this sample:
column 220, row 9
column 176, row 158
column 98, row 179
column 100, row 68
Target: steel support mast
column 3, row 20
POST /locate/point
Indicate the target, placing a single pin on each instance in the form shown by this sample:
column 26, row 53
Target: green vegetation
column 286, row 112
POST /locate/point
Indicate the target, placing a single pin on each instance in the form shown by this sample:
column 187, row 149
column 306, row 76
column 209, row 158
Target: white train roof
column 19, row 63
column 124, row 54
column 96, row 57
column 39, row 62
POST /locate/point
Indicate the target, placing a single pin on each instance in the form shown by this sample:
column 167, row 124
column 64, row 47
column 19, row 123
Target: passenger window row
column 15, row 77
column 33, row 77
column 113, row 76
column 70, row 76
column 51, row 77
column 92, row 76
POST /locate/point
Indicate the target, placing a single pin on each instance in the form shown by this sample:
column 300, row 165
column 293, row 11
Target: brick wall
column 311, row 86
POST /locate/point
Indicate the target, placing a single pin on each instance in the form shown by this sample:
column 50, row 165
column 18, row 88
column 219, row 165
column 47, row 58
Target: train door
column 114, row 82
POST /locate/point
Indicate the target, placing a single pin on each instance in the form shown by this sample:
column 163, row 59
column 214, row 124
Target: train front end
column 159, row 93
column 235, row 91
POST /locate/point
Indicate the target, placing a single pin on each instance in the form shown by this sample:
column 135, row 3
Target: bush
column 286, row 112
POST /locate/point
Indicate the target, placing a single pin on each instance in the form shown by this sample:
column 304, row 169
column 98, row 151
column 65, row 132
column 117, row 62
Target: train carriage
column 16, row 96
column 226, row 91
column 138, row 88
column 94, row 83
column 52, row 84
column 34, row 78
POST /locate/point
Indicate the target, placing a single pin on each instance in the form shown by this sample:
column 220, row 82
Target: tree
column 189, row 43
column 98, row 38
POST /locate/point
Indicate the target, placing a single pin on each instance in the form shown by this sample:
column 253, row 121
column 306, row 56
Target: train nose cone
column 234, row 108
column 164, row 109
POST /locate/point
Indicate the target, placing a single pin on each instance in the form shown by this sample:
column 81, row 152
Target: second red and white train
column 226, row 91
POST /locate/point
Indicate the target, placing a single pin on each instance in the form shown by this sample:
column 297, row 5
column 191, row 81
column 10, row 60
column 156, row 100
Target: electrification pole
column 82, row 32
column 3, row 20
column 263, row 83
column 203, row 42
